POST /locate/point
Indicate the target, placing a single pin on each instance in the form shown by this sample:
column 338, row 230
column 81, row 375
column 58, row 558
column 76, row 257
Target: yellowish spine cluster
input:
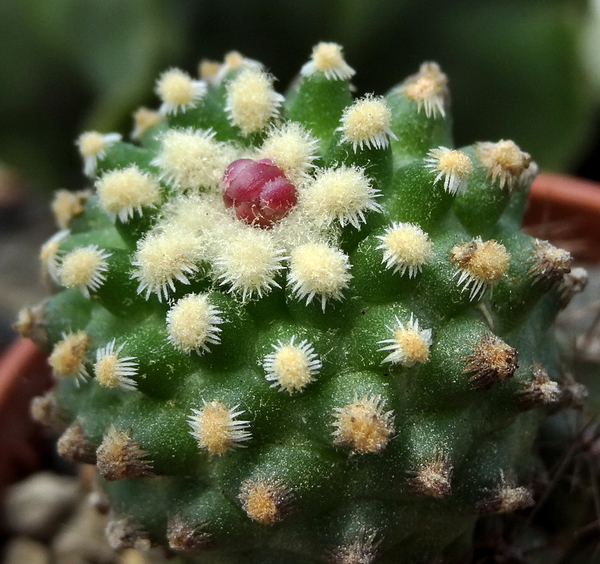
column 216, row 427
column 122, row 193
column 327, row 58
column 409, row 343
column 113, row 370
column 504, row 161
column 366, row 123
column 291, row 366
column 92, row 146
column 49, row 255
column 83, row 269
column 143, row 120
column 249, row 263
column 66, row 205
column 178, row 91
column 363, row 425
column 68, row 356
column 192, row 159
column 451, row 165
column 406, row 248
column 265, row 501
column 428, row 89
column 291, row 148
column 479, row 264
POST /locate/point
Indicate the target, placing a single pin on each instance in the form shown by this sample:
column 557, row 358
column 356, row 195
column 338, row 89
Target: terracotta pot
column 566, row 211
column 24, row 374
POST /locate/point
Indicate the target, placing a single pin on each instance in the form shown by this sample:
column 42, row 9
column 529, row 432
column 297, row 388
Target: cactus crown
column 303, row 326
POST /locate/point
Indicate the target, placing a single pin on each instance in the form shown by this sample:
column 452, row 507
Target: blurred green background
column 522, row 69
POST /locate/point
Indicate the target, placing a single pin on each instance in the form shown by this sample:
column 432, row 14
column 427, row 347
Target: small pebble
column 22, row 550
column 38, row 506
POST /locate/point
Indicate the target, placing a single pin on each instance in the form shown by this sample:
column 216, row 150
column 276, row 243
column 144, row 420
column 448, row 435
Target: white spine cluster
column 83, row 269
column 112, row 370
column 317, row 269
column 193, row 324
column 216, row 427
column 249, row 263
column 453, row 166
column 122, row 193
column 92, row 146
column 328, row 59
column 341, row 194
column 291, row 366
column 291, row 148
column 163, row 258
column 251, row 101
column 192, row 159
column 408, row 345
column 406, row 248
column 178, row 91
column 367, row 123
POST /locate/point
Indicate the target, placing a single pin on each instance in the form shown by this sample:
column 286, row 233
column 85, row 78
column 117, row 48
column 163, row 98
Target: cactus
column 302, row 328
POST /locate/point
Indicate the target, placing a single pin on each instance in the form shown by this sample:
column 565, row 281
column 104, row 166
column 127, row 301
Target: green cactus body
column 354, row 374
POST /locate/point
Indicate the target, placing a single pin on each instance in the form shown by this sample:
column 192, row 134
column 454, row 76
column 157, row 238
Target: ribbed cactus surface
column 300, row 328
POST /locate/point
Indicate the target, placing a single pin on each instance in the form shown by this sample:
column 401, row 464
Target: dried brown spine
column 490, row 361
column 74, row 446
column 119, row 457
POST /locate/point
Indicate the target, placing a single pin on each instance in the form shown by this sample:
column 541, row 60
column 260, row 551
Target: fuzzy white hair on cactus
column 122, row 193
column 363, row 425
column 318, row 269
column 49, row 254
column 249, row 263
column 68, row 356
column 193, row 324
column 192, row 159
column 251, row 101
column 342, row 194
column 292, row 149
column 163, row 258
column 479, row 264
column 504, row 161
column 406, row 248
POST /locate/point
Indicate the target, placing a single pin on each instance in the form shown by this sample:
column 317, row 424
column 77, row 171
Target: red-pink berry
column 258, row 191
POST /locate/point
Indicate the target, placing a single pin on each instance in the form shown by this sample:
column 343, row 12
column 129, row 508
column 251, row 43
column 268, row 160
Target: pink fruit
column 258, row 191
